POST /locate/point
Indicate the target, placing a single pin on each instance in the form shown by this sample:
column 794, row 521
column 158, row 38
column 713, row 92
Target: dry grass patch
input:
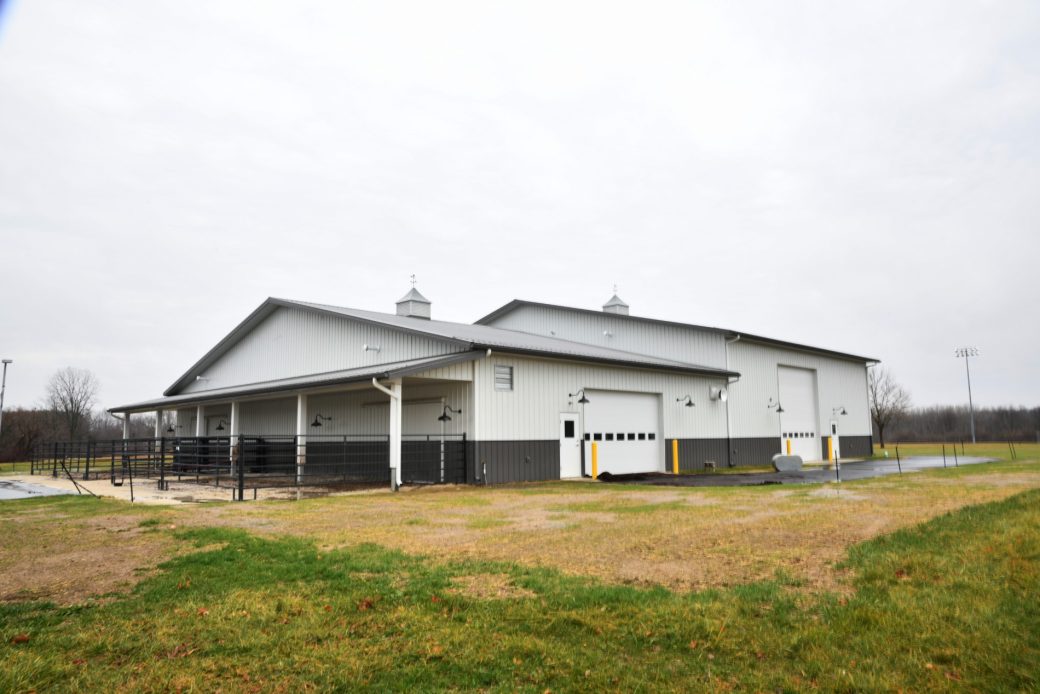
column 488, row 586
column 72, row 559
column 680, row 538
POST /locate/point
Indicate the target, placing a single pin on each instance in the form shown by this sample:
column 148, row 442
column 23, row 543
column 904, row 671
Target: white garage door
column 798, row 421
column 626, row 427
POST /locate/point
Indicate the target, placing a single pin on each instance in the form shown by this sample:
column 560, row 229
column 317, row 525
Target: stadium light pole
column 3, row 388
column 967, row 353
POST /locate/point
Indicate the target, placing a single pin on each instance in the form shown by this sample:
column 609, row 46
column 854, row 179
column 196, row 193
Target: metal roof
column 464, row 335
column 413, row 295
column 614, row 301
column 514, row 341
column 517, row 303
column 332, row 378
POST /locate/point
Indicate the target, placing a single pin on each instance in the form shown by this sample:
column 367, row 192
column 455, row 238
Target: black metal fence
column 259, row 462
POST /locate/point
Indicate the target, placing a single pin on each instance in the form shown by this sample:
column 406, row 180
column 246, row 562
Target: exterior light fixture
column 445, row 417
column 169, row 429
column 582, row 400
column 220, row 425
column 319, row 418
column 775, row 405
column 371, row 348
column 687, row 399
column 840, row 409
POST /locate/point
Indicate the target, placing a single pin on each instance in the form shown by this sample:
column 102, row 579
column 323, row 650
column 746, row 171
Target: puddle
column 23, row 490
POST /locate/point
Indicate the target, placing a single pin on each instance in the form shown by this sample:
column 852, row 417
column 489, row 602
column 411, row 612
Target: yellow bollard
column 788, row 446
column 595, row 460
column 675, row 456
column 830, row 448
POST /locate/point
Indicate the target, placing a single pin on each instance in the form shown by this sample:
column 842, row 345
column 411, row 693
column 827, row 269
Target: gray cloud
column 859, row 177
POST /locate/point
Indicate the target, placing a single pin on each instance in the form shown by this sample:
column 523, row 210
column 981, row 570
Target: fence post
column 899, row 463
column 956, row 462
column 837, row 465
column 86, row 467
column 54, row 469
column 944, row 455
column 162, row 464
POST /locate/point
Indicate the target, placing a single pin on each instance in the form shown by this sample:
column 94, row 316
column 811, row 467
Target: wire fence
column 251, row 462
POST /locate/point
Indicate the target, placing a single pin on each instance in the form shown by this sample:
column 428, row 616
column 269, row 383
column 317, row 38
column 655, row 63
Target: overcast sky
column 860, row 176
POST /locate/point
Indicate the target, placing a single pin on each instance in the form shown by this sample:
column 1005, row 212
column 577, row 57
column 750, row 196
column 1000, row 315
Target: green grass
column 947, row 604
column 997, row 450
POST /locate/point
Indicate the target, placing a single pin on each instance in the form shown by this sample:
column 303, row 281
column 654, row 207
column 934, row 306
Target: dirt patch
column 488, row 587
column 72, row 561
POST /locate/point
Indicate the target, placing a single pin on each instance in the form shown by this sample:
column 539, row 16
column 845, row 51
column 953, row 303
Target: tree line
column 953, row 423
column 26, row 428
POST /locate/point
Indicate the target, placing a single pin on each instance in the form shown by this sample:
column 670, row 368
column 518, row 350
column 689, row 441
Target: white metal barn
column 519, row 395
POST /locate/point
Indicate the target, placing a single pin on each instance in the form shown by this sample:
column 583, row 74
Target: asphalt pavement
column 810, row 475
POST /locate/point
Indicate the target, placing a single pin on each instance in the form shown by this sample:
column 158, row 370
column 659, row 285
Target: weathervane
column 413, row 280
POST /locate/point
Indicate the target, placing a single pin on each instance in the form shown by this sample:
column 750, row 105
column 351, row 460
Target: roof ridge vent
column 413, row 304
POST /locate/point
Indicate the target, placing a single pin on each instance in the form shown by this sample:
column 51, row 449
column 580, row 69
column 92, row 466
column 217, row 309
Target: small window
column 642, row 437
column 631, row 437
column 503, row 377
column 610, row 437
column 568, row 428
column 621, row 436
column 597, row 437
column 587, row 436
column 651, row 436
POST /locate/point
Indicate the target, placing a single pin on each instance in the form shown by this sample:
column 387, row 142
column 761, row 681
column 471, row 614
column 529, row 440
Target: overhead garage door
column 626, row 427
column 798, row 421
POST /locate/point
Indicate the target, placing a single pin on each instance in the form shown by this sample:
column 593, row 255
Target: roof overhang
column 302, row 383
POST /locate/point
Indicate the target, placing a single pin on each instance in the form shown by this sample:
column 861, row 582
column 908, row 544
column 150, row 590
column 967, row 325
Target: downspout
column 395, row 481
column 729, row 419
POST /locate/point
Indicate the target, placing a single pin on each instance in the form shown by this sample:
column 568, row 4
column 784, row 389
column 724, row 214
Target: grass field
column 921, row 583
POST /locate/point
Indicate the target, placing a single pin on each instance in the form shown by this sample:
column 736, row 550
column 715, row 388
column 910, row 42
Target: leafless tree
column 71, row 394
column 888, row 399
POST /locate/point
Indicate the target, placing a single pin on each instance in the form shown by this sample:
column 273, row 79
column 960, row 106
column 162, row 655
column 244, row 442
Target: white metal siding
column 839, row 382
column 690, row 345
column 540, row 386
column 295, row 342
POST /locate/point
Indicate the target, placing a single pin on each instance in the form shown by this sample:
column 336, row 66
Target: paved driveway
column 810, row 475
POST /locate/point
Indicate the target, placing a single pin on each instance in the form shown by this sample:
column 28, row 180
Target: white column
column 301, row 435
column 126, row 425
column 233, row 451
column 395, row 387
column 158, row 424
column 200, row 421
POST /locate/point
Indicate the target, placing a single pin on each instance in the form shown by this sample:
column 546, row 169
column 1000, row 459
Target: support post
column 233, row 437
column 126, row 426
column 830, row 448
column 301, row 436
column 595, row 460
column 395, row 391
column 675, row 456
column 788, row 446
column 200, row 422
